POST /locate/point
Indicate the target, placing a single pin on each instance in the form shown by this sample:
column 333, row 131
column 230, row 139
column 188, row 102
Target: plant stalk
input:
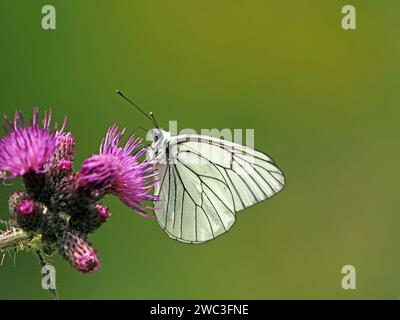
column 11, row 238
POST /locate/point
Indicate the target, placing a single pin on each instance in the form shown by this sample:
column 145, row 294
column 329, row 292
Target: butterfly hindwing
column 194, row 207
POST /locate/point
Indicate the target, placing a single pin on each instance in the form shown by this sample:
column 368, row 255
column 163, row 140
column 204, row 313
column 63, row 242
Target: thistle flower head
column 119, row 170
column 26, row 148
column 59, row 206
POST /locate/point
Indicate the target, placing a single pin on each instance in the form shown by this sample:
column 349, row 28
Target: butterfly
column 205, row 181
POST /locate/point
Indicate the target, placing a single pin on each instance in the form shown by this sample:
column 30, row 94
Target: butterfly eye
column 155, row 138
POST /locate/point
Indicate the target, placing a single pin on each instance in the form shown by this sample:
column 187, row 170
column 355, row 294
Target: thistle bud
column 65, row 147
column 64, row 165
column 102, row 212
column 15, row 197
column 28, row 215
column 61, row 162
column 90, row 219
column 26, row 207
column 78, row 252
column 65, row 194
column 53, row 226
column 37, row 186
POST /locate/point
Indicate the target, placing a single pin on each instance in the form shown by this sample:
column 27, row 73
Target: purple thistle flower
column 99, row 172
column 61, row 205
column 26, row 148
column 119, row 170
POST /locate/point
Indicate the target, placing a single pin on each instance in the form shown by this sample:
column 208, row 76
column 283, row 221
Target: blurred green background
column 324, row 103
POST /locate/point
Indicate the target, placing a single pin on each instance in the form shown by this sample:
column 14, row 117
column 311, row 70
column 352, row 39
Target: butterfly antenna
column 154, row 119
column 149, row 116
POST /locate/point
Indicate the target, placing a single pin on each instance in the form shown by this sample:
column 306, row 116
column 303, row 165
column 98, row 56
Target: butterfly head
column 159, row 142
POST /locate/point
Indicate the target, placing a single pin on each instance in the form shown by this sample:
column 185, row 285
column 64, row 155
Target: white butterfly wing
column 208, row 181
column 193, row 208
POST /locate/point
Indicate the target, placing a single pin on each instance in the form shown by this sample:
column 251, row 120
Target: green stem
column 15, row 238
column 42, row 262
column 11, row 238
